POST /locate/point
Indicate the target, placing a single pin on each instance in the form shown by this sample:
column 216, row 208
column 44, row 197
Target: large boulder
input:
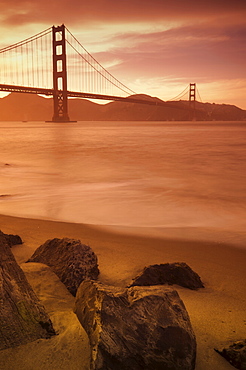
column 71, row 261
column 136, row 328
column 10, row 238
column 235, row 354
column 169, row 273
column 22, row 317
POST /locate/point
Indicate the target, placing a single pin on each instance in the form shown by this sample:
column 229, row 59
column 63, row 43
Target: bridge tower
column 59, row 75
column 192, row 101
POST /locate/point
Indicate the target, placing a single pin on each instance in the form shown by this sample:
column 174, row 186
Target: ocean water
column 155, row 174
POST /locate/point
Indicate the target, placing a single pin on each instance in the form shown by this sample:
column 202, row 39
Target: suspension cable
column 115, row 79
column 181, row 94
column 93, row 80
column 26, row 41
column 199, row 95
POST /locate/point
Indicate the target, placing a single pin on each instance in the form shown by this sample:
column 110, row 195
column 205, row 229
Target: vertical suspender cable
column 32, row 84
column 22, row 67
column 42, row 66
column 27, row 64
column 37, row 62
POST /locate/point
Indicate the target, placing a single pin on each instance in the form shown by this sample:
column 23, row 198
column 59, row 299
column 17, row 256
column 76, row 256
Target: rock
column 136, row 328
column 71, row 261
column 235, row 354
column 10, row 239
column 22, row 317
column 169, row 273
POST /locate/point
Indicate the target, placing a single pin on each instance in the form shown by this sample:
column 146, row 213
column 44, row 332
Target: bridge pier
column 60, row 98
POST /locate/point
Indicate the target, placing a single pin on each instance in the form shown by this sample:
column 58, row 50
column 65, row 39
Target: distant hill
column 29, row 107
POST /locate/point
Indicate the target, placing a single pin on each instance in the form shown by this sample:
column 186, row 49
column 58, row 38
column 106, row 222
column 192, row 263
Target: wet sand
column 217, row 312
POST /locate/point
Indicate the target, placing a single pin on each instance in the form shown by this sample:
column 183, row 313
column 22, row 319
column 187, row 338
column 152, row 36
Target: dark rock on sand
column 136, row 328
column 71, row 261
column 169, row 273
column 235, row 354
column 10, row 239
column 22, row 317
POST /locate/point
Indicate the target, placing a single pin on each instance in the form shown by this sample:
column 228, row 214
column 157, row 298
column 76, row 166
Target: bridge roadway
column 74, row 94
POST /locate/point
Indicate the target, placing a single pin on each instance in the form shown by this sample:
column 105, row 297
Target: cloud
column 224, row 92
column 191, row 51
column 162, row 63
column 141, row 41
column 19, row 12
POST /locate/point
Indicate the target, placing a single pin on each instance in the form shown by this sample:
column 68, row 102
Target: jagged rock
column 10, row 239
column 235, row 354
column 71, row 260
column 136, row 328
column 169, row 273
column 22, row 317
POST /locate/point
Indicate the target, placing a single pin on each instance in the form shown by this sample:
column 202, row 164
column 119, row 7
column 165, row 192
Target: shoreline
column 217, row 312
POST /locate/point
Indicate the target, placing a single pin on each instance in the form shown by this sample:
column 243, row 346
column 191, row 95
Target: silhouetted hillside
column 28, row 107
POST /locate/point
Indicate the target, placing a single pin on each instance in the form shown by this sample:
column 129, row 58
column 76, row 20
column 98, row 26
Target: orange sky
column 155, row 47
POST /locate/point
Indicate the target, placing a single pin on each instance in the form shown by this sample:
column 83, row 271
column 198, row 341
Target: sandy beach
column 217, row 312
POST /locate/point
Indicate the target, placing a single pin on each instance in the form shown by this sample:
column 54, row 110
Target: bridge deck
column 74, row 94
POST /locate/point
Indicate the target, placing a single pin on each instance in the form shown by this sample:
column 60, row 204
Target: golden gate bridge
column 54, row 63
